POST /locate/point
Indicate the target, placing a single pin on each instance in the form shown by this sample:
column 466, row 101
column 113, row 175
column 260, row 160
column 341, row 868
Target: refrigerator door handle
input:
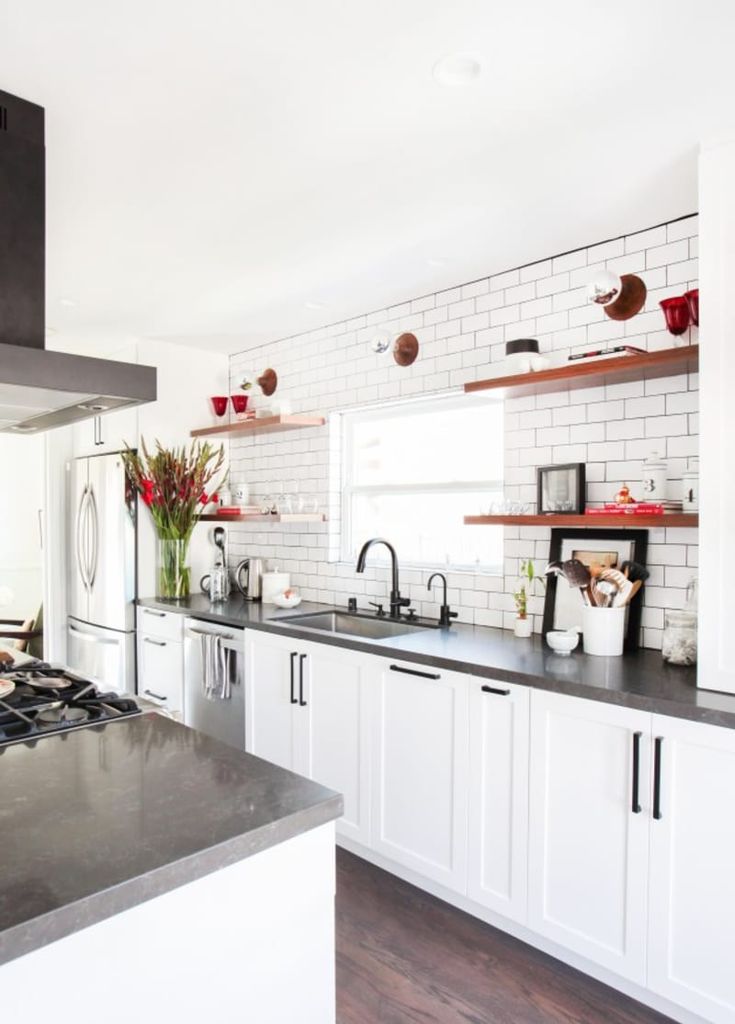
column 94, row 537
column 80, row 523
column 91, row 638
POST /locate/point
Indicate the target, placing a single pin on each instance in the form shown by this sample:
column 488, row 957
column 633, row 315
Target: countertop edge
column 659, row 704
column 59, row 923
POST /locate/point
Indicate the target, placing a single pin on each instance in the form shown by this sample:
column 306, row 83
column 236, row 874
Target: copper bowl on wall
column 631, row 300
column 406, row 349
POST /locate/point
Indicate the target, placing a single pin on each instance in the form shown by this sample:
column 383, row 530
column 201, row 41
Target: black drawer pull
column 159, row 615
column 657, row 744
column 293, row 657
column 415, row 672
column 156, row 696
column 635, row 803
column 497, row 690
column 156, row 643
column 302, row 659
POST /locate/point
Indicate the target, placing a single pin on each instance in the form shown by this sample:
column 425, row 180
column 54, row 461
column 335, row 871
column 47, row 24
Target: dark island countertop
column 103, row 818
column 639, row 679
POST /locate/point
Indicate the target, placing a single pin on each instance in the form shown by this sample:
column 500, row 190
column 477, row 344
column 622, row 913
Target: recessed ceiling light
column 315, row 305
column 69, row 303
column 457, row 69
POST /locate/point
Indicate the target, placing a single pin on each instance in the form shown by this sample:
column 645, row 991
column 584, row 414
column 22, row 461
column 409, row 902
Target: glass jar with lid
column 679, row 643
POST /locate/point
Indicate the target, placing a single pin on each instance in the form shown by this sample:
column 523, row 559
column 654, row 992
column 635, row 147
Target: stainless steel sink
column 354, row 625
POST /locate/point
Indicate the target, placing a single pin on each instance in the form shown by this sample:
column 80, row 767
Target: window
column 411, row 472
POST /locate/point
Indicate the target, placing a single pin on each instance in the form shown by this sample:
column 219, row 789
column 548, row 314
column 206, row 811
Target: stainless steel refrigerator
column 102, row 572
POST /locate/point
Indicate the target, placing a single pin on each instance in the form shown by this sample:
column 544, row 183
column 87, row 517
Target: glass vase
column 174, row 574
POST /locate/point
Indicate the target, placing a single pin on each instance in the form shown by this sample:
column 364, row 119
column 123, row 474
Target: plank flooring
column 404, row 957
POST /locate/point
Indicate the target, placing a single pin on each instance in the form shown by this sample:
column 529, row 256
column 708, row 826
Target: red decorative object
column 692, row 298
column 676, row 311
column 624, row 497
column 239, row 403
column 219, row 404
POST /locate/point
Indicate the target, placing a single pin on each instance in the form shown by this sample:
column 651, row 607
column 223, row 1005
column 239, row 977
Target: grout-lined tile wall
column 462, row 331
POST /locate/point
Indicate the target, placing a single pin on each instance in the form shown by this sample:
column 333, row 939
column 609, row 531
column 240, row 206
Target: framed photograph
column 560, row 489
column 609, row 548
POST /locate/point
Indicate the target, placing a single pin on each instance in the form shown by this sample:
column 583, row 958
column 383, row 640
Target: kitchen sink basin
column 354, row 625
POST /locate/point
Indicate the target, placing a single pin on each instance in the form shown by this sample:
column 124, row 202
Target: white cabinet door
column 161, row 671
column 588, row 846
column 692, row 888
column 333, row 729
column 271, row 696
column 498, row 796
column 420, row 737
column 101, row 435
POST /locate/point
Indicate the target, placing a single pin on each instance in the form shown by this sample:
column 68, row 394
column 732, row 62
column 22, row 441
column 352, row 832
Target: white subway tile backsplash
column 462, row 332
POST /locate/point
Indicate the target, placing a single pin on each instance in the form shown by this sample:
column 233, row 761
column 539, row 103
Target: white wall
column 462, row 332
column 22, row 469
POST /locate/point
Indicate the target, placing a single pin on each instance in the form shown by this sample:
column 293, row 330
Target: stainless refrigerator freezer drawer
column 222, row 719
column 104, row 656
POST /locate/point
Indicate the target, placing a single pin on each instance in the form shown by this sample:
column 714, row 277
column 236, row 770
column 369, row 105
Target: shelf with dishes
column 593, row 373
column 616, row 519
column 260, row 425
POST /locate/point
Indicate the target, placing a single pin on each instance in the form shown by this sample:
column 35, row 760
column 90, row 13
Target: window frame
column 407, row 407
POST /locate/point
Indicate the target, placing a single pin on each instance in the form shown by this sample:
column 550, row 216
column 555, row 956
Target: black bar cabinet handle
column 302, row 659
column 415, row 672
column 657, row 744
column 635, row 803
column 293, row 662
column 496, row 689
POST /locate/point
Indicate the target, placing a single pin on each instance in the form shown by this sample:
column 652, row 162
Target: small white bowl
column 287, row 602
column 562, row 642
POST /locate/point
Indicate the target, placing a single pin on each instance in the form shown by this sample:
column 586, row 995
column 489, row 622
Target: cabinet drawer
column 166, row 625
column 161, row 672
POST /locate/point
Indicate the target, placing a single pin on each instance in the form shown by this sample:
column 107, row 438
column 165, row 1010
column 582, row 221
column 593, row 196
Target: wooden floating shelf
column 295, row 517
column 264, row 425
column 690, row 519
column 594, row 373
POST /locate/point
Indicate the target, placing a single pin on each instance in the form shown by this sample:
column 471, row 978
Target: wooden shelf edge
column 644, row 366
column 264, row 425
column 670, row 519
column 296, row 517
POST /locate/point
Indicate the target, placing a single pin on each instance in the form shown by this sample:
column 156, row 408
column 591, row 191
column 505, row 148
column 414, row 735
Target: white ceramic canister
column 603, row 631
column 690, row 490
column 274, row 583
column 241, row 493
column 653, row 484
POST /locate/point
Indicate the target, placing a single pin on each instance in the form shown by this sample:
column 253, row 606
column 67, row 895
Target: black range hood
column 41, row 389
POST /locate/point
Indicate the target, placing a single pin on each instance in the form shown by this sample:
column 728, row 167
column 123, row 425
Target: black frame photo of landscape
column 562, row 605
column 560, row 490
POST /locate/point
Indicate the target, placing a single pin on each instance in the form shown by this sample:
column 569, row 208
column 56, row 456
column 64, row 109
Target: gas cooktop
column 38, row 700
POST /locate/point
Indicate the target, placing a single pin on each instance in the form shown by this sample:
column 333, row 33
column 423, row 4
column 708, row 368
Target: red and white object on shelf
column 640, row 508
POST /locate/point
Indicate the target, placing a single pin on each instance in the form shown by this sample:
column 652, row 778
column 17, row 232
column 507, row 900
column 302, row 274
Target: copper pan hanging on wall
column 631, row 300
column 268, row 382
column 405, row 349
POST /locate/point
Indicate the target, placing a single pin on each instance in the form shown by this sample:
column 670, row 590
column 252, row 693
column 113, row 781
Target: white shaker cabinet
column 498, row 796
column 308, row 709
column 589, row 829
column 161, row 658
column 420, row 770
column 692, row 879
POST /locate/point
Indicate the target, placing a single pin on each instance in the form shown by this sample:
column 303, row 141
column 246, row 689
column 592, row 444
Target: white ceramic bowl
column 287, row 602
column 563, row 642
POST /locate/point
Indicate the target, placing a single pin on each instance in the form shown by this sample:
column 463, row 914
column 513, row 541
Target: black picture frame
column 584, row 538
column 576, row 492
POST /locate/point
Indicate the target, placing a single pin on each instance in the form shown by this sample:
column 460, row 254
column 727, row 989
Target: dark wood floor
column 403, row 956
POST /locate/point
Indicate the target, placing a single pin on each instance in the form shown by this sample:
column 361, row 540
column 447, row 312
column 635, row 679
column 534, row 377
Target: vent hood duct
column 40, row 389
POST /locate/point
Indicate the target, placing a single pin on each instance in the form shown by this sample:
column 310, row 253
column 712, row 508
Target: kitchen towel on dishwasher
column 215, row 667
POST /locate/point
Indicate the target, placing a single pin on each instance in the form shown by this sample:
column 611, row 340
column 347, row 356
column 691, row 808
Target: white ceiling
column 213, row 166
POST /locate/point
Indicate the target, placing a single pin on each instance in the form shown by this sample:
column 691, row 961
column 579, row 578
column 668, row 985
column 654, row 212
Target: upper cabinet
column 717, row 413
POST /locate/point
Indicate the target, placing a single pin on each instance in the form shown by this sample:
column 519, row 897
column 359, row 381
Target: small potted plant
column 523, row 625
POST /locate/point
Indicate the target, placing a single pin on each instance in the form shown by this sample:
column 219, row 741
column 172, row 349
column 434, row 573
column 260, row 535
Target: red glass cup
column 219, row 404
column 692, row 298
column 676, row 311
column 239, row 403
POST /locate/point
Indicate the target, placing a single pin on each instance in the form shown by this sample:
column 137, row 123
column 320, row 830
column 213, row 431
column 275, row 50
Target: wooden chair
column 29, row 632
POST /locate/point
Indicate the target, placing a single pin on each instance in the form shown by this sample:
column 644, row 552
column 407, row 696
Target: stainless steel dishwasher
column 224, row 719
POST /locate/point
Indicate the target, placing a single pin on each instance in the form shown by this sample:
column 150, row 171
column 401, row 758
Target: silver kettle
column 251, row 587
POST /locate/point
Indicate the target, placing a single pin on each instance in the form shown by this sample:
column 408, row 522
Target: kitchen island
column 151, row 872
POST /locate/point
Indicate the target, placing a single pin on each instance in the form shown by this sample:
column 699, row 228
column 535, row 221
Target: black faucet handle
column 379, row 612
column 352, row 604
column 446, row 615
column 411, row 615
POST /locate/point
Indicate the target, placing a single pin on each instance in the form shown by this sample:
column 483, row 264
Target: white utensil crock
column 603, row 631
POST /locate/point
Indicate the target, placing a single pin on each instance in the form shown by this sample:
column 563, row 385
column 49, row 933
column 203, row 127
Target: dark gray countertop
column 638, row 680
column 103, row 818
